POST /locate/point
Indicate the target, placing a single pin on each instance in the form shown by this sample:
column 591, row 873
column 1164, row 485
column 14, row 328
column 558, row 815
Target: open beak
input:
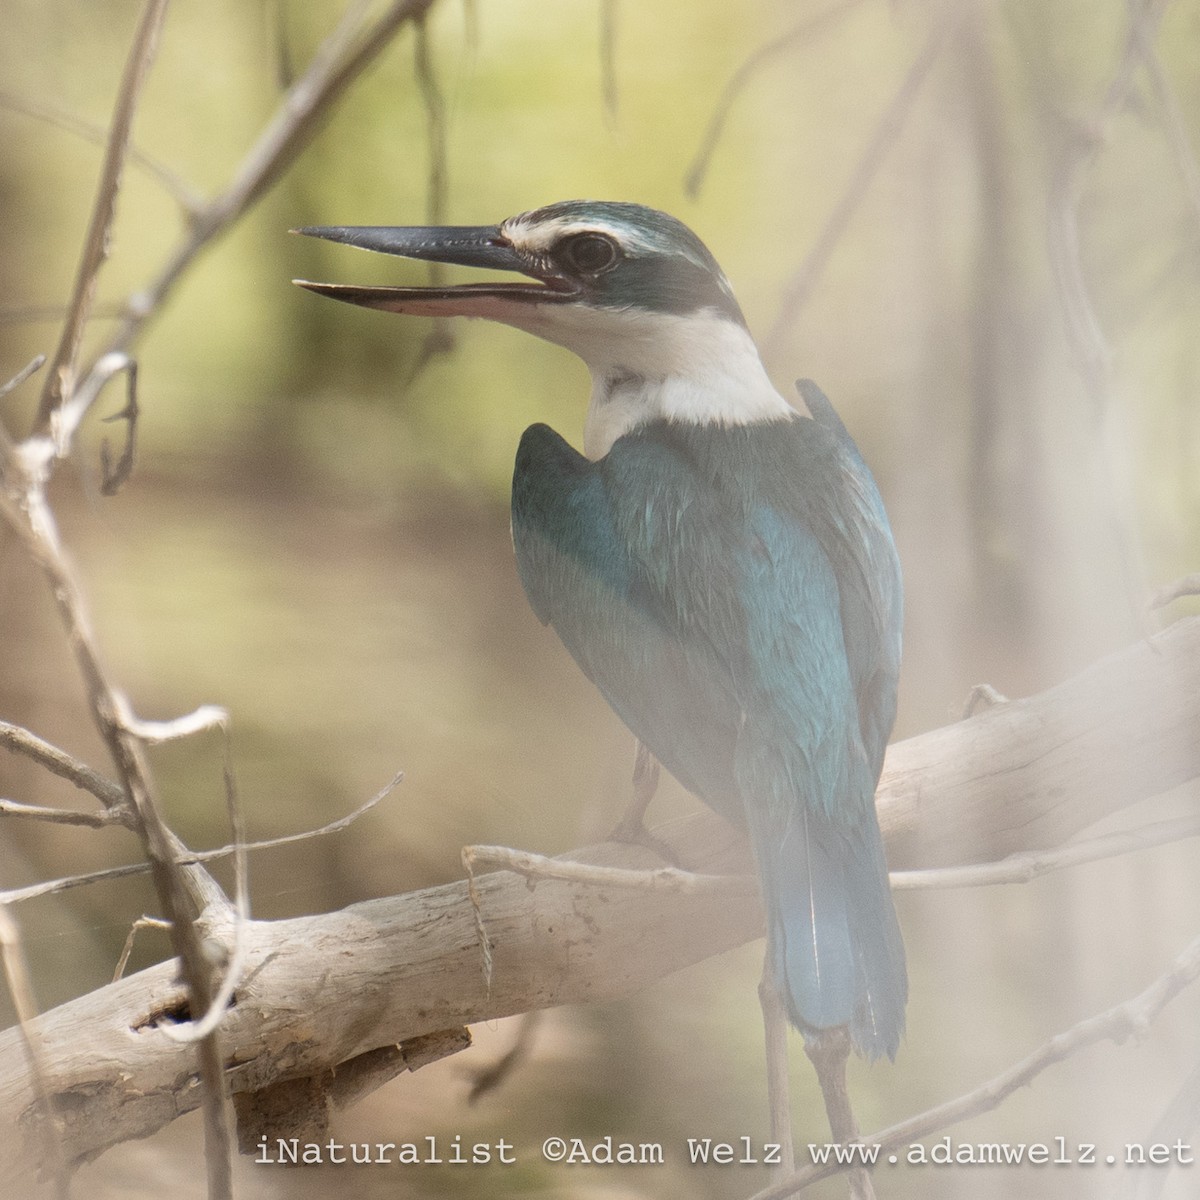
column 461, row 245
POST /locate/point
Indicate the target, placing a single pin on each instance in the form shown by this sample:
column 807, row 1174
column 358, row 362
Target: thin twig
column 481, row 934
column 1084, row 332
column 1173, row 119
column 59, row 762
column 190, row 858
column 143, row 922
column 658, row 879
column 60, row 816
column 1189, row 585
column 982, row 696
column 609, row 10
column 339, row 61
column 16, row 972
column 38, row 314
column 811, row 25
column 488, row 1078
column 440, row 339
column 188, row 200
column 1030, row 865
column 207, row 1023
column 285, row 68
column 114, row 475
column 205, row 719
column 60, row 381
column 883, row 137
column 68, row 416
column 23, row 374
column 1131, row 1018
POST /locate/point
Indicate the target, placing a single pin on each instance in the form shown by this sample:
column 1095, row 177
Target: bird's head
column 633, row 291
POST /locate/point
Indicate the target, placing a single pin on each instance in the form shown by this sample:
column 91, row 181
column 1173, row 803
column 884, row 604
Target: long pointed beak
column 461, row 245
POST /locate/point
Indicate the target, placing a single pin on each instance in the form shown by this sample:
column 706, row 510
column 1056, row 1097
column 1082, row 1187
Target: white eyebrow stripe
column 536, row 237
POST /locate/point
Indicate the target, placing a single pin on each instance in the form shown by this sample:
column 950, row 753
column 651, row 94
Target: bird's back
column 733, row 592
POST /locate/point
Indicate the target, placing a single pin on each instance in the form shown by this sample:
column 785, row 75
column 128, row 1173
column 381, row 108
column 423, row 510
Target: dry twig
column 667, row 879
column 186, row 858
column 883, row 137
column 26, row 471
column 1189, row 585
column 59, row 762
column 16, row 974
column 811, row 25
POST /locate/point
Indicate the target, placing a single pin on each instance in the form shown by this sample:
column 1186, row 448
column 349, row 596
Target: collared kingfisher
column 717, row 561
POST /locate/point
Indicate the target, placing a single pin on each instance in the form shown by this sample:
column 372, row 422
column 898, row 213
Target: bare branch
column 23, row 374
column 60, row 382
column 669, row 879
column 809, row 27
column 16, row 973
column 1189, row 585
column 21, row 741
column 207, row 1023
column 68, row 416
column 114, row 475
column 1176, row 126
column 1083, row 329
column 186, row 857
column 1028, row 866
column 206, row 718
column 34, row 314
column 143, row 922
column 800, row 286
column 609, row 10
column 339, row 61
column 61, row 816
column 1030, row 774
column 982, row 695
column 25, row 473
column 489, row 1078
column 441, row 338
column 188, row 200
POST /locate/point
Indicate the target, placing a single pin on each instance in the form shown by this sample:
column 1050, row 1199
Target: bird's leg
column 828, row 1051
column 779, row 1091
column 632, row 826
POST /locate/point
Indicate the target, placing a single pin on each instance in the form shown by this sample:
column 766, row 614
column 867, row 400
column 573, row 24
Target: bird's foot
column 632, row 832
column 631, row 829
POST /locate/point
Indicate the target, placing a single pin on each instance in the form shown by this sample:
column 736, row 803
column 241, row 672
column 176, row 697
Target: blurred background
column 977, row 226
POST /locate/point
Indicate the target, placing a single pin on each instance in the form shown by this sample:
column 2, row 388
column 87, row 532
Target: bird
column 717, row 561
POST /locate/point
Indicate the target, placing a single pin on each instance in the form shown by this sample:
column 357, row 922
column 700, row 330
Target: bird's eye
column 589, row 253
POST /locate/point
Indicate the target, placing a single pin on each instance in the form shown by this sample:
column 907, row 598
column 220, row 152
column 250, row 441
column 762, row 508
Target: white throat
column 701, row 369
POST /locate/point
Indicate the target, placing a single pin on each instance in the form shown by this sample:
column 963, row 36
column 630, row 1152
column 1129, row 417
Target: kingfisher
column 717, row 561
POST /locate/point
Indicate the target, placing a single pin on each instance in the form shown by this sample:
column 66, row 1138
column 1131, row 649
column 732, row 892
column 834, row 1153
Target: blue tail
column 833, row 939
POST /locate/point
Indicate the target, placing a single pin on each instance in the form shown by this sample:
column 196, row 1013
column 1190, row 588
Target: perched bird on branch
column 719, row 564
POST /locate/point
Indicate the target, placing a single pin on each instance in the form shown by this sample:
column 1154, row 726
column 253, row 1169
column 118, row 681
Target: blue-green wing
column 710, row 585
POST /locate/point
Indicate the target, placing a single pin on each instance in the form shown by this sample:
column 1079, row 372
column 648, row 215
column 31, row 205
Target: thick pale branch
column 1029, row 774
column 319, row 991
